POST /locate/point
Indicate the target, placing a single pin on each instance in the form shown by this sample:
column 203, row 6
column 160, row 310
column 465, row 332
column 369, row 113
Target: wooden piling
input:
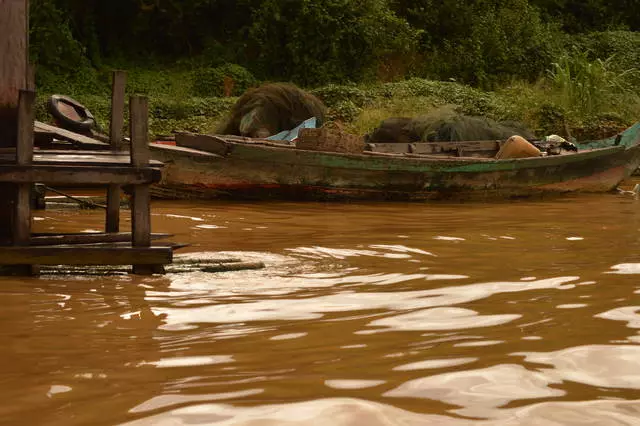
column 24, row 157
column 13, row 72
column 117, row 120
column 141, row 199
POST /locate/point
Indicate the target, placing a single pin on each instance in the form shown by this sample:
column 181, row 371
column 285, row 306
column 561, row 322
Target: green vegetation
column 557, row 65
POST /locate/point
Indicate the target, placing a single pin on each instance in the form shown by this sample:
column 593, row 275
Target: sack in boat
column 330, row 140
column 517, row 147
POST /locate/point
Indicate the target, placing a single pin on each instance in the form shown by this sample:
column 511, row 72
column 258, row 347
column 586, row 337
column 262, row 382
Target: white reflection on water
column 441, row 319
column 189, row 361
column 353, row 384
column 378, row 250
column 629, row 314
column 164, row 401
column 625, row 269
column 345, row 301
column 359, row 412
column 434, row 363
column 320, row 412
column 478, row 392
column 596, row 365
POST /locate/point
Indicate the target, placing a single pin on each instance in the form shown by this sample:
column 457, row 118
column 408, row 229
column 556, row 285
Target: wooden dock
column 21, row 250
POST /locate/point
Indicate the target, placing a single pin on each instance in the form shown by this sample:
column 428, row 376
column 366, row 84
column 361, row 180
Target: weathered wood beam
column 119, row 81
column 75, row 158
column 87, row 238
column 141, row 197
column 24, row 157
column 71, row 175
column 67, row 135
column 85, row 255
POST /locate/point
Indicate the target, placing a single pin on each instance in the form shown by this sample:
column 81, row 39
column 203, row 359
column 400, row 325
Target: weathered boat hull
column 262, row 171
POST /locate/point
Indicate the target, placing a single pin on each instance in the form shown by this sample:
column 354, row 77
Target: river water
column 508, row 313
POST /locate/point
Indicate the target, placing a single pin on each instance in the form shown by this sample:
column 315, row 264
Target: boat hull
column 258, row 171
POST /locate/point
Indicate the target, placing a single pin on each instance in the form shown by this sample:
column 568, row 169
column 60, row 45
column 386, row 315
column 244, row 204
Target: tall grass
column 590, row 87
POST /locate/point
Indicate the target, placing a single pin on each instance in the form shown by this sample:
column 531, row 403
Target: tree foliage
column 316, row 42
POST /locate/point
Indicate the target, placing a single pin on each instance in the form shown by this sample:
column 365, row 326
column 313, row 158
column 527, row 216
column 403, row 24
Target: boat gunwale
column 408, row 158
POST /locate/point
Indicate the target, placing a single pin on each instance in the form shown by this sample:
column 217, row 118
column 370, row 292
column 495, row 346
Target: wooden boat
column 210, row 166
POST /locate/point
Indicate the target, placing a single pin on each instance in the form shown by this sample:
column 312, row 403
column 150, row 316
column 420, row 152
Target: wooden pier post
column 115, row 135
column 24, row 157
column 141, row 199
column 13, row 75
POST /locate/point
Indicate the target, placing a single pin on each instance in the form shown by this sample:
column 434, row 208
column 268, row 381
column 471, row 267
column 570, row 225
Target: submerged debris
column 179, row 265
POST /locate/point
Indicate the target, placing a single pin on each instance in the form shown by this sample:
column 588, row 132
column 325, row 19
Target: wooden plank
column 206, row 143
column 391, row 148
column 78, row 175
column 432, row 148
column 222, row 144
column 182, row 150
column 73, row 157
column 79, row 158
column 76, row 138
column 85, row 255
column 453, row 147
column 86, row 159
column 90, row 152
column 122, row 244
column 87, row 238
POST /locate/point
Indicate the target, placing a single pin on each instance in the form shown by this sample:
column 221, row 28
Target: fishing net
column 446, row 125
column 270, row 109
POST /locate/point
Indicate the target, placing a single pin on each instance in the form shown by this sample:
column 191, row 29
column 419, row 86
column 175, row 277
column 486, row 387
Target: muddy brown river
column 511, row 313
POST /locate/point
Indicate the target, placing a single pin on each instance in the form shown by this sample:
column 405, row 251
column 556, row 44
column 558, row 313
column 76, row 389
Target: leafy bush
column 228, row 77
column 313, row 42
column 169, row 108
column 551, row 119
column 344, row 111
column 334, row 94
column 470, row 101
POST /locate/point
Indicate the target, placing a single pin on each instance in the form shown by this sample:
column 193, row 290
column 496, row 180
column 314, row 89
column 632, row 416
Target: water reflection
column 479, row 391
column 595, row 365
column 353, row 412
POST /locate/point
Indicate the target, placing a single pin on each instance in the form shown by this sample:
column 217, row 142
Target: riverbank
column 587, row 107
